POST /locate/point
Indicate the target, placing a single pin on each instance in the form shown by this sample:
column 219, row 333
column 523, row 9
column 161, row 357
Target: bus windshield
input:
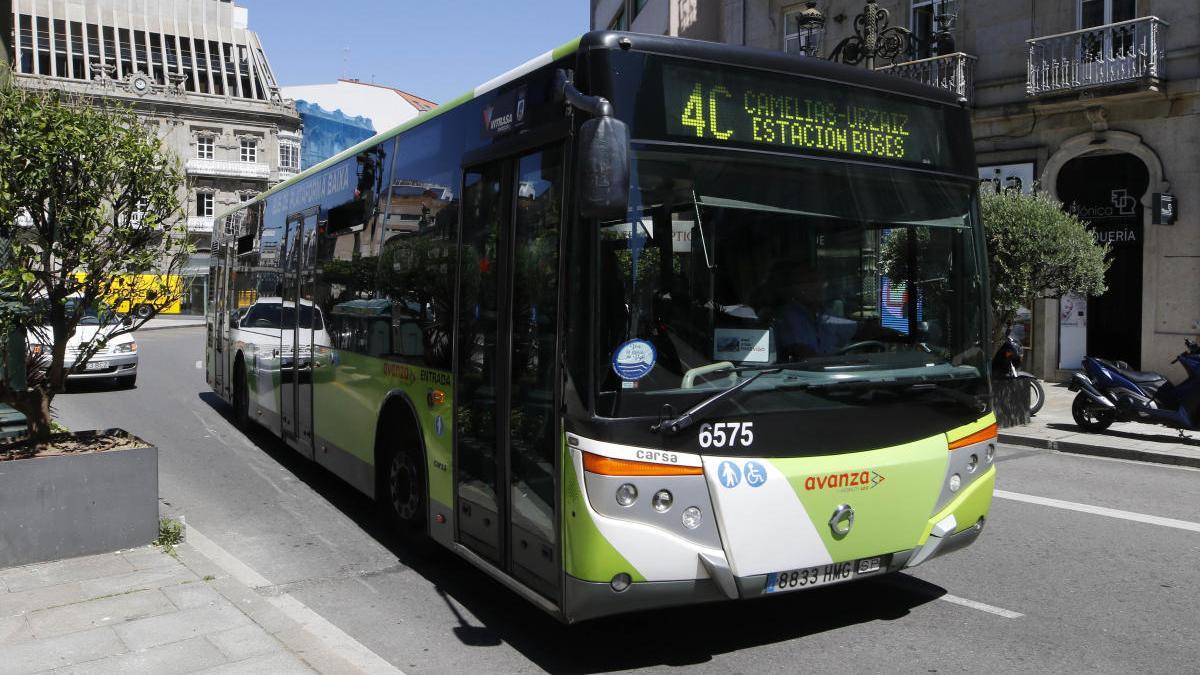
column 828, row 275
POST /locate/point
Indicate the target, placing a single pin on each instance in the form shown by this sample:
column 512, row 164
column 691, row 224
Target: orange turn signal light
column 607, row 466
column 436, row 397
column 986, row 434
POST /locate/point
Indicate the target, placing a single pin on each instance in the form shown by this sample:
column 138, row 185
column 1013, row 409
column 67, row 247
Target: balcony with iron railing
column 1128, row 54
column 212, row 167
column 200, row 224
column 952, row 72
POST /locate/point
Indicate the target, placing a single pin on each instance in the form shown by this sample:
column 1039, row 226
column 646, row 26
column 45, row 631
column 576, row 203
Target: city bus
column 660, row 322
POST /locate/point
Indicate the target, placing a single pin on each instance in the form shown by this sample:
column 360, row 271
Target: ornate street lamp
column 810, row 23
column 873, row 36
column 944, row 19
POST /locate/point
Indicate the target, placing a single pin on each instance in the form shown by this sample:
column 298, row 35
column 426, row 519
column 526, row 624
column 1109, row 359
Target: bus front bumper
column 953, row 528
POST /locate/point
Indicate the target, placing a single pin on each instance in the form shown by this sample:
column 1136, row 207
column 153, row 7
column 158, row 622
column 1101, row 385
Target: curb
column 303, row 632
column 1076, row 448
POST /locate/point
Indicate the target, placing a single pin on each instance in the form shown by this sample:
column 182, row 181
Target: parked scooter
column 1109, row 391
column 1006, row 364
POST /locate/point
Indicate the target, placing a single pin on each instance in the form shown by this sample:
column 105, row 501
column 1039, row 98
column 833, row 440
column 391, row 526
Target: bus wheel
column 241, row 396
column 403, row 486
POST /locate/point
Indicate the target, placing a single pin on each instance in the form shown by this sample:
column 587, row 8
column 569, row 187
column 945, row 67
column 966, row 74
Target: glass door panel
column 532, row 420
column 478, row 392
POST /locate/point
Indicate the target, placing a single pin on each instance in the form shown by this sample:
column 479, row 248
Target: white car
column 117, row 358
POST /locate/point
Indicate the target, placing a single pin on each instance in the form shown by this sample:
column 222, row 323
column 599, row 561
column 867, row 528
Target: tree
column 90, row 199
column 1036, row 250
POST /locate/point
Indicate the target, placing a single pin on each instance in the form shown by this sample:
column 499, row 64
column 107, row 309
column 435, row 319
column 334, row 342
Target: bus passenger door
column 507, row 426
column 300, row 319
column 218, row 327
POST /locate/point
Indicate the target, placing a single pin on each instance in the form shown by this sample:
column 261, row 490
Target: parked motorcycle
column 1006, row 364
column 1110, row 391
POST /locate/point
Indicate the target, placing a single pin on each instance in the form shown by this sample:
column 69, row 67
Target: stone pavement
column 144, row 611
column 1054, row 429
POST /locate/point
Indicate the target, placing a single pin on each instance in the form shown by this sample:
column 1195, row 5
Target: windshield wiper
column 678, row 424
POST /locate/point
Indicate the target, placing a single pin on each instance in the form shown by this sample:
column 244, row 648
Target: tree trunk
column 35, row 404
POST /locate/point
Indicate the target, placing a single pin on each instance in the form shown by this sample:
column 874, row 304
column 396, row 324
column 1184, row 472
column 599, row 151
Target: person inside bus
column 800, row 317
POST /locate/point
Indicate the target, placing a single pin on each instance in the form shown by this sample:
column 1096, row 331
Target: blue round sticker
column 755, row 474
column 634, row 359
column 729, row 474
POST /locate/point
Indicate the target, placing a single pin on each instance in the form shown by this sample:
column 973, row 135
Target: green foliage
column 170, row 533
column 89, row 197
column 1037, row 250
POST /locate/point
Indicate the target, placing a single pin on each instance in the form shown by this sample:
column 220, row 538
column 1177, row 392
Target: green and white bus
column 642, row 322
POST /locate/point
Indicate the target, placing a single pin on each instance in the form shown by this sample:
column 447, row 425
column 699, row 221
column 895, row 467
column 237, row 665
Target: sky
column 436, row 49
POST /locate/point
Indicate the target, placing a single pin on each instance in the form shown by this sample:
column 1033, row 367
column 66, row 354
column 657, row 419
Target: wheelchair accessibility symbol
column 755, row 474
column 731, row 474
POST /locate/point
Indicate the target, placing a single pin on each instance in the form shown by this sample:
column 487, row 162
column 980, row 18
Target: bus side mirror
column 604, row 168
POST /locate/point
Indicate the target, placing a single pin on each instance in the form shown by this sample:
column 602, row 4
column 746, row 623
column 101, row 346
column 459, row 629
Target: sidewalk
column 173, row 321
column 145, row 611
column 1054, row 429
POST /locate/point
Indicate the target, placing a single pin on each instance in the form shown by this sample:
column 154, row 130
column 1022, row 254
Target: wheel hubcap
column 402, row 481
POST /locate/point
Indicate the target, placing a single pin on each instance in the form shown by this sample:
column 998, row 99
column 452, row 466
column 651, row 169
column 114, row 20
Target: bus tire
column 241, row 393
column 401, row 485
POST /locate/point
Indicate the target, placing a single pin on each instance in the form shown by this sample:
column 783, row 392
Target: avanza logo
column 860, row 480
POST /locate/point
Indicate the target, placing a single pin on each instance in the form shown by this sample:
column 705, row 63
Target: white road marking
column 1100, row 511
column 349, row 649
column 983, row 607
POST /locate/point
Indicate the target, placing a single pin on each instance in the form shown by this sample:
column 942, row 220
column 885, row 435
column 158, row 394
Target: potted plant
column 89, row 219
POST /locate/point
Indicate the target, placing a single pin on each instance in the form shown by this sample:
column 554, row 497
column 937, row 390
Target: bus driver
column 803, row 326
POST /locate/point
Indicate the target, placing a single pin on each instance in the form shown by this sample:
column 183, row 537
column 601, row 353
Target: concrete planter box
column 64, row 506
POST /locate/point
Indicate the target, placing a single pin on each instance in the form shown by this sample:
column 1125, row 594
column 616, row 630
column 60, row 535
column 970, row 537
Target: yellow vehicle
column 141, row 294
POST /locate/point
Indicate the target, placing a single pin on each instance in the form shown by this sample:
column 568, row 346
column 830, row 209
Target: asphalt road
column 1048, row 587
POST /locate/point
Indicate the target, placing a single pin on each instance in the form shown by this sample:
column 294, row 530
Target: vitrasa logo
column 494, row 123
column 857, row 480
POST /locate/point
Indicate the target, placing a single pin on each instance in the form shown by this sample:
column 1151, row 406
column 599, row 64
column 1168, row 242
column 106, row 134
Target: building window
column 204, row 204
column 1101, row 12
column 618, row 22
column 204, row 147
column 289, row 157
column 638, row 6
column 249, row 150
column 139, row 211
column 795, row 41
column 920, row 22
column 244, row 197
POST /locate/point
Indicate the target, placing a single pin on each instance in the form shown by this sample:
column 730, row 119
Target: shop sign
column 1006, row 177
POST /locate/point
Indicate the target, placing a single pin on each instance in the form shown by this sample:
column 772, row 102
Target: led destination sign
column 733, row 106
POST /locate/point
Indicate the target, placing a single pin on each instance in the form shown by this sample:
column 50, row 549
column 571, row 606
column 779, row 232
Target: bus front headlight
column 626, row 494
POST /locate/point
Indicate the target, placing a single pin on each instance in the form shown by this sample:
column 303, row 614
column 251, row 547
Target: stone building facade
column 191, row 66
column 1095, row 101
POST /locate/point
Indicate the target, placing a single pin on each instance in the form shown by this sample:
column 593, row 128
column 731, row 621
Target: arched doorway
column 1105, row 191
